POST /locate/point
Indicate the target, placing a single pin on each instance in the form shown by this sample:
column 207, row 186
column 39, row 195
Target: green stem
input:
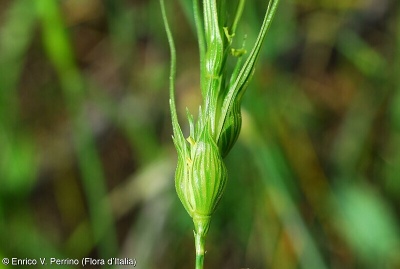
column 239, row 11
column 201, row 39
column 199, row 241
column 175, row 125
column 201, row 226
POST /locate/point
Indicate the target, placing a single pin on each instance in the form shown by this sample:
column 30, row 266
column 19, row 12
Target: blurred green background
column 87, row 161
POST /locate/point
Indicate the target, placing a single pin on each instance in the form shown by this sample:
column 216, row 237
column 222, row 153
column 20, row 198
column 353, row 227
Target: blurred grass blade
column 17, row 161
column 59, row 51
column 368, row 224
column 268, row 159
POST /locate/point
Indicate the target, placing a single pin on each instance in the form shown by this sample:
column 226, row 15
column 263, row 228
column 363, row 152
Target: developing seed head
column 231, row 129
column 201, row 177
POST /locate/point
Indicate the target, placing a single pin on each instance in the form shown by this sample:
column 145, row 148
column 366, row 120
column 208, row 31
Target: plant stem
column 199, row 241
column 201, row 38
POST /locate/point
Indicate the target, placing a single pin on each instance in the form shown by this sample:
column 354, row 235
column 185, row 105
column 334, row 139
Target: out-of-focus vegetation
column 87, row 160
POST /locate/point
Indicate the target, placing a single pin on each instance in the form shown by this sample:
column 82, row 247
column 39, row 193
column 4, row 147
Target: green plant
column 201, row 173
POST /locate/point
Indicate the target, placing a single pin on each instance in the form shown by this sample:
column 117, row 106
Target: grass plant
column 201, row 174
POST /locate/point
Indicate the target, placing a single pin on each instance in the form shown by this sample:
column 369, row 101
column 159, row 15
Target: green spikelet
column 200, row 176
column 231, row 129
column 208, row 177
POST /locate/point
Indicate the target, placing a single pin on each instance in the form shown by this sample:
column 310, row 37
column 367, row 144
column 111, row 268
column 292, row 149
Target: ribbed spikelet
column 201, row 175
column 231, row 129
